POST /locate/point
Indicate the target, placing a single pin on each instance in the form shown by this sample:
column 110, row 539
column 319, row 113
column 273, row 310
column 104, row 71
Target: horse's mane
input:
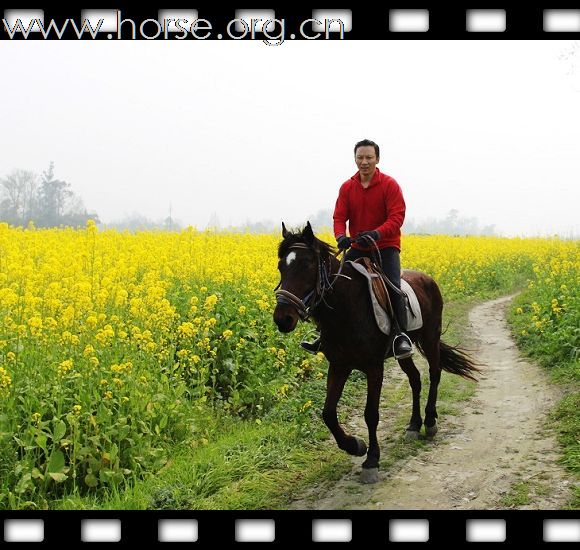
column 319, row 246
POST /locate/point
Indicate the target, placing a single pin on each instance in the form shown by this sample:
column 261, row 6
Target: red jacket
column 379, row 207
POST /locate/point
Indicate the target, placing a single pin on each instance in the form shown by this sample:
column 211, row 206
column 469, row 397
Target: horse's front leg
column 337, row 376
column 374, row 384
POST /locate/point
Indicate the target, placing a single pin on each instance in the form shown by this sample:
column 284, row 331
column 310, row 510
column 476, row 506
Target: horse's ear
column 308, row 234
column 284, row 231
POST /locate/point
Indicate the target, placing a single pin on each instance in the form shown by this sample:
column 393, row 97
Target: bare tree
column 49, row 204
column 17, row 196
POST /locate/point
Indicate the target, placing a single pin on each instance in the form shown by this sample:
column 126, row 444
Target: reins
column 323, row 282
column 379, row 263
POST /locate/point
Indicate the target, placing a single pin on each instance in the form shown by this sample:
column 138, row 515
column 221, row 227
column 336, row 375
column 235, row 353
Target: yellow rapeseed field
column 110, row 341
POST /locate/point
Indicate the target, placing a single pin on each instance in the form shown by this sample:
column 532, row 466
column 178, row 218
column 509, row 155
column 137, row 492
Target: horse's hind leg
column 335, row 382
column 374, row 384
column 414, row 376
column 433, row 358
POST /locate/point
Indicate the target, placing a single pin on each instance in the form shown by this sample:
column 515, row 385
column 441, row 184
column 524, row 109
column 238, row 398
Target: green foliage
column 546, row 324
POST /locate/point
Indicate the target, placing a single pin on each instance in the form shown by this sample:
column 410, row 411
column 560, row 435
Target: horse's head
column 299, row 262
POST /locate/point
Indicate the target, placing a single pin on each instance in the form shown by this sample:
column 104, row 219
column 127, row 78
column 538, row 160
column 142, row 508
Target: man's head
column 366, row 156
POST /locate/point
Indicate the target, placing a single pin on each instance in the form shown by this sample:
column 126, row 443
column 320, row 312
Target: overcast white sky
column 248, row 131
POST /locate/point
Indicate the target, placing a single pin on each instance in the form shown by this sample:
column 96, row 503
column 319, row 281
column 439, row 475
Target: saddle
column 380, row 298
column 378, row 285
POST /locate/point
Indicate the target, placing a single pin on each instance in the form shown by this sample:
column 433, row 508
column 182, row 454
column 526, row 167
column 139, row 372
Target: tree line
column 452, row 224
column 43, row 200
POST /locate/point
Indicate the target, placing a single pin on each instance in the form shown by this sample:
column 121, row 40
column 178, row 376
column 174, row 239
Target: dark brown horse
column 342, row 309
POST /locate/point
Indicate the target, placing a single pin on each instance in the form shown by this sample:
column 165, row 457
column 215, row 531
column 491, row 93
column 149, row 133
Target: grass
column 565, row 417
column 249, row 469
column 524, row 493
column 520, row 494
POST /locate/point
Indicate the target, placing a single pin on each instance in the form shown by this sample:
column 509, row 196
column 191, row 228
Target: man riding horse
column 373, row 204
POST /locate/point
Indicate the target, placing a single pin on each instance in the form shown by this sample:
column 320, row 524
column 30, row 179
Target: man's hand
column 362, row 239
column 343, row 242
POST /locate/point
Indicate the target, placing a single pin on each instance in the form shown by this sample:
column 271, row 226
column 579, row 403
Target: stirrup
column 405, row 354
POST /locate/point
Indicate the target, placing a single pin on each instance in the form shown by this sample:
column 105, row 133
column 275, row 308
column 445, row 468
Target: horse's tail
column 455, row 360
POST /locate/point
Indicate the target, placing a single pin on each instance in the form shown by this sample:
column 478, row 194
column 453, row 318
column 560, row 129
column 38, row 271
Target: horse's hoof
column 430, row 432
column 369, row 475
column 361, row 449
column 411, row 435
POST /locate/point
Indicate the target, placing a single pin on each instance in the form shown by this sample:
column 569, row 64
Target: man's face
column 366, row 160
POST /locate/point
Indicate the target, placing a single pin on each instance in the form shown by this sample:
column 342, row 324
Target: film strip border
column 298, row 527
column 302, row 527
column 346, row 24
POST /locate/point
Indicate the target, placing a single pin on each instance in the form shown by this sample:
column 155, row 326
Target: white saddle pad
column 414, row 317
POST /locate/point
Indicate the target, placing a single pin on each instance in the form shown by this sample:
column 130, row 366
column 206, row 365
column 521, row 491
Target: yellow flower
column 5, row 379
column 91, row 321
column 35, row 324
column 128, row 296
column 151, row 347
column 186, row 329
column 65, row 367
column 263, row 305
column 210, row 302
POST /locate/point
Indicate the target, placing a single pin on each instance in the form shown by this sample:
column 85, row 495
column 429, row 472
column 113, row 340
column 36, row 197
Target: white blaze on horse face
column 290, row 258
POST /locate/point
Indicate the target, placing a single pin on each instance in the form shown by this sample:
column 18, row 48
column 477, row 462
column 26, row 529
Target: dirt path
column 487, row 457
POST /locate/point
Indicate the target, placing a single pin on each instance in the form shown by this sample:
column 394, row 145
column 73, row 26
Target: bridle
column 313, row 298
